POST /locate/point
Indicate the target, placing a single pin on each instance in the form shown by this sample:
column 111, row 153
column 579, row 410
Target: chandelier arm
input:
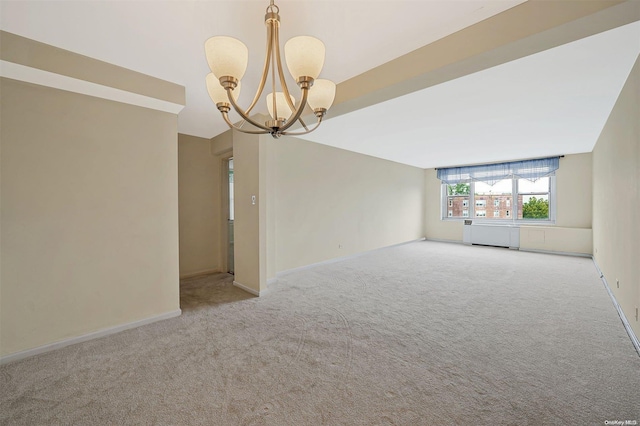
column 305, row 125
column 285, row 89
column 243, row 114
column 298, row 113
column 304, row 133
column 265, row 70
column 274, row 41
column 253, row 132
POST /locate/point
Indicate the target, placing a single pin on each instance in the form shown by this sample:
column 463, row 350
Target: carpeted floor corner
column 420, row 334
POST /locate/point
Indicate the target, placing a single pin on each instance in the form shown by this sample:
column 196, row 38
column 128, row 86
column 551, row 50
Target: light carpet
column 420, row 334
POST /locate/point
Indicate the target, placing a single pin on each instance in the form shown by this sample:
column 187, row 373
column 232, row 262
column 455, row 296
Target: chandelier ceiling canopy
column 228, row 58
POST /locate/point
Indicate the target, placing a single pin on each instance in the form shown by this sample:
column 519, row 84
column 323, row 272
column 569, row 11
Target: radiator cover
column 492, row 235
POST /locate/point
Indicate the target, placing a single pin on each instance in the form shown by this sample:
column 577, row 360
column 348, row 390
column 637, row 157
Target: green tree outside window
column 535, row 208
column 459, row 189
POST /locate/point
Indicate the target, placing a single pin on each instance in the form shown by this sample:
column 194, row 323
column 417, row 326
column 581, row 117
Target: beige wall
column 310, row 199
column 570, row 234
column 572, row 231
column 616, row 199
column 556, row 239
column 331, row 203
column 89, row 215
column 202, row 210
column 574, row 198
column 250, row 218
column 199, row 195
column 435, row 227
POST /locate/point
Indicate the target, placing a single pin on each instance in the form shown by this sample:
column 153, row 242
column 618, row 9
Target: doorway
column 230, row 216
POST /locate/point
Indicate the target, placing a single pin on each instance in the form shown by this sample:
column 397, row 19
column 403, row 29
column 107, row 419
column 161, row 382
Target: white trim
column 623, row 318
column 200, row 273
column 83, row 338
column 340, row 259
column 561, row 253
column 248, row 289
column 440, row 240
column 70, row 84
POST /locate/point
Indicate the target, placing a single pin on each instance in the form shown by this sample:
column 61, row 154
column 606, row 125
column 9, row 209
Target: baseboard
column 439, row 240
column 85, row 337
column 561, row 253
column 341, row 258
column 623, row 317
column 200, row 273
column 248, row 289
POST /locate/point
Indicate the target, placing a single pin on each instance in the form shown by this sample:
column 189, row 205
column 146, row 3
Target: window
column 492, row 194
column 506, row 200
column 457, row 198
column 534, row 199
column 513, row 191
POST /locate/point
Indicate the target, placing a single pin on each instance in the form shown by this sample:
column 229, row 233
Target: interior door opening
column 230, row 218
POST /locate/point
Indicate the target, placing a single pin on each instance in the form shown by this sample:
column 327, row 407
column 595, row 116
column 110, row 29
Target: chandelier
column 228, row 57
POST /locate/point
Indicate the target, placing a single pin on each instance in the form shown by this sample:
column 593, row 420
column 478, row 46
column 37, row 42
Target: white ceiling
column 554, row 102
column 165, row 39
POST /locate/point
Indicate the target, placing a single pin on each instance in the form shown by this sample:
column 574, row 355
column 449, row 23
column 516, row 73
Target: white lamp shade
column 217, row 93
column 284, row 111
column 226, row 56
column 305, row 56
column 321, row 94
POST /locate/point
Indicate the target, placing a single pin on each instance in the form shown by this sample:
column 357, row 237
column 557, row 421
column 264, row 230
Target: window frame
column 552, row 203
column 514, row 212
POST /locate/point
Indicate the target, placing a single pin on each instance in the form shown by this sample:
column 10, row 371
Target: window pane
column 458, row 200
column 496, row 197
column 457, row 204
column 533, row 199
column 458, row 189
column 541, row 185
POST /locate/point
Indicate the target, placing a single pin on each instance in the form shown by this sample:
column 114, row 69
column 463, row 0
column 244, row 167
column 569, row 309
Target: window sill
column 495, row 222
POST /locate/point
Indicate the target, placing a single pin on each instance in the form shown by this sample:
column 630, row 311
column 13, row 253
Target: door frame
column 224, row 209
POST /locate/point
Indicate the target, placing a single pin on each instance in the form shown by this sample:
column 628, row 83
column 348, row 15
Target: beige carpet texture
column 424, row 333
